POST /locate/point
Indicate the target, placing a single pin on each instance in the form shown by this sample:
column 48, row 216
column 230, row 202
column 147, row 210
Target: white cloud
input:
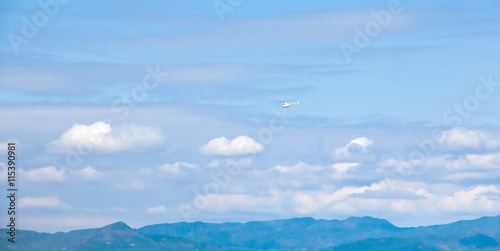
column 347, row 191
column 460, row 138
column 403, row 206
column 478, row 200
column 343, row 167
column 305, row 203
column 446, row 164
column 295, row 177
column 102, row 137
column 363, row 142
column 44, row 174
column 419, row 201
column 178, row 168
column 474, row 161
column 359, row 148
column 156, row 210
column 474, row 200
column 240, row 145
column 45, row 202
column 308, row 202
column 300, row 167
column 88, row 173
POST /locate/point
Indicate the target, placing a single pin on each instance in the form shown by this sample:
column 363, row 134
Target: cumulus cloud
column 102, row 137
column 88, row 173
column 460, row 138
column 240, row 145
column 44, row 174
column 44, row 202
column 156, row 210
column 357, row 149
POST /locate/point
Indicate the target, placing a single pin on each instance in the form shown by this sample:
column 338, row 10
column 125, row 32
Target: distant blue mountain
column 355, row 233
column 388, row 244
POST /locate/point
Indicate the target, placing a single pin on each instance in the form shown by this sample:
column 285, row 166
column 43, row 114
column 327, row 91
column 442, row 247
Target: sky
column 165, row 111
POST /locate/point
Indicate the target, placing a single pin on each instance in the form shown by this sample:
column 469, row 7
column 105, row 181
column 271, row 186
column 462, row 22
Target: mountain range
column 354, row 233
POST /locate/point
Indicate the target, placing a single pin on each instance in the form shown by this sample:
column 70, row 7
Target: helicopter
column 286, row 104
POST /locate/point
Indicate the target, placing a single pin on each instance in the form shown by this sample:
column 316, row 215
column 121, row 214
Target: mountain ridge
column 306, row 233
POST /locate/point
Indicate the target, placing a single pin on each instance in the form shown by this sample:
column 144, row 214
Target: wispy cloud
column 156, row 210
column 45, row 174
column 44, row 202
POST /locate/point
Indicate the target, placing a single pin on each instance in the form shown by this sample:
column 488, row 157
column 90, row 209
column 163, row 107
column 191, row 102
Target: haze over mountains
column 354, row 233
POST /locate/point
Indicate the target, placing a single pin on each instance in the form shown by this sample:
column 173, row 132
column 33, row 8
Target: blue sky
column 140, row 111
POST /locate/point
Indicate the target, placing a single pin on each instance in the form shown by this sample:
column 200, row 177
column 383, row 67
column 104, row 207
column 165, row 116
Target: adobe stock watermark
column 222, row 179
column 32, row 25
column 139, row 93
column 277, row 124
column 453, row 116
column 219, row 180
column 223, row 6
column 122, row 106
column 363, row 36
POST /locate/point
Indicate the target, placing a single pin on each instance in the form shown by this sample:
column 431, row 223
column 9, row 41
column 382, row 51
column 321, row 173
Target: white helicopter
column 286, row 104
